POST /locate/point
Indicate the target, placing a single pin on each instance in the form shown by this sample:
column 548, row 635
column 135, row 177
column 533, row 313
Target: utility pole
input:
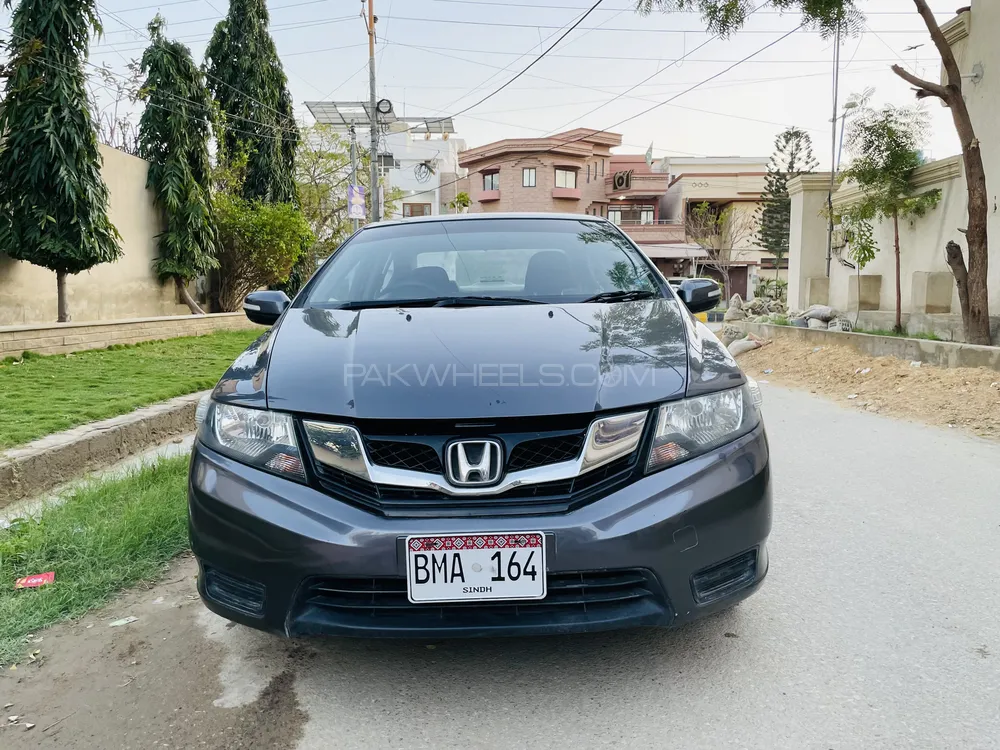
column 354, row 164
column 373, row 189
column 833, row 149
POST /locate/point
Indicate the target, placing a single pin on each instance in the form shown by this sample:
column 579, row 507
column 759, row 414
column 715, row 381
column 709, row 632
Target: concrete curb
column 939, row 353
column 30, row 470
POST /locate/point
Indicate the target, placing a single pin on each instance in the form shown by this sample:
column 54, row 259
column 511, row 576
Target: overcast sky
column 437, row 56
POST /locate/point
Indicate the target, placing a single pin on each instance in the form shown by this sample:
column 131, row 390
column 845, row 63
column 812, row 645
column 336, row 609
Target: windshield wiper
column 622, row 295
column 454, row 301
column 474, row 301
column 371, row 304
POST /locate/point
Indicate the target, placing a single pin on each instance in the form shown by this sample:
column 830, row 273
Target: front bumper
column 676, row 545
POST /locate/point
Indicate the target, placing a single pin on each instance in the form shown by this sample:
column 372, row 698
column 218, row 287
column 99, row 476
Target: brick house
column 571, row 172
column 575, row 172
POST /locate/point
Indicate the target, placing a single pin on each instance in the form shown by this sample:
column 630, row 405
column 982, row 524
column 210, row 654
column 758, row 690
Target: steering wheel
column 422, row 289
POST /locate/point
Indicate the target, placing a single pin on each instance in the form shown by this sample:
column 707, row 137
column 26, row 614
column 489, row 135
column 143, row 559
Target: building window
column 588, row 173
column 491, row 181
column 528, row 177
column 416, row 209
column 602, row 167
column 565, row 178
column 630, row 215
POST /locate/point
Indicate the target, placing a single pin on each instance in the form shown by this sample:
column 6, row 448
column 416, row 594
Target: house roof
column 580, row 143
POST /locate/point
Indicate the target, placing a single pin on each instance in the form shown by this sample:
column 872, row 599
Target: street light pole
column 354, row 165
column 833, row 150
column 373, row 188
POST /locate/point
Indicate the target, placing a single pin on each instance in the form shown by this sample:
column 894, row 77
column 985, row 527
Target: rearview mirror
column 265, row 307
column 699, row 294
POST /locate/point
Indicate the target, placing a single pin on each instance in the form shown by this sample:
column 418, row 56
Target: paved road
column 879, row 627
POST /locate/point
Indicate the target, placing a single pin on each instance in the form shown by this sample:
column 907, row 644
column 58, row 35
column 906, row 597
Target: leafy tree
column 259, row 244
column 461, row 202
column 860, row 238
column 724, row 234
column 247, row 80
column 792, row 156
column 728, row 16
column 322, row 175
column 53, row 201
column 885, row 144
column 174, row 132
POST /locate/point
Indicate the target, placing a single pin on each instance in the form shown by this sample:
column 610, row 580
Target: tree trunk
column 898, row 328
column 978, row 325
column 953, row 256
column 182, row 289
column 857, row 316
column 63, row 303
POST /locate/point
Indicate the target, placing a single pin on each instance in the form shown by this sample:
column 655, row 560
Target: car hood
column 470, row 362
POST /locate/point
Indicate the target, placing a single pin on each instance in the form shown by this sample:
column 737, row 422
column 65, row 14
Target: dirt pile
column 963, row 398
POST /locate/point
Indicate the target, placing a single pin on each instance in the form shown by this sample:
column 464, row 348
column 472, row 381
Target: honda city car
column 481, row 425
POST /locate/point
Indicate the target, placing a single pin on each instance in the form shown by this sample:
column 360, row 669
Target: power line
column 436, row 50
column 608, row 10
column 604, row 88
column 108, row 71
column 157, row 6
column 207, row 75
column 521, row 72
column 203, row 37
column 619, row 58
column 500, row 24
column 534, row 62
column 591, row 134
column 659, row 70
column 499, row 70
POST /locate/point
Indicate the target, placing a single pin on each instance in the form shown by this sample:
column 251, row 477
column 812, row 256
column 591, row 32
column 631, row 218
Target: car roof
column 491, row 215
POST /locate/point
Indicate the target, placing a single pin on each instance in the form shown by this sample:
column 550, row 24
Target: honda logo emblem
column 469, row 463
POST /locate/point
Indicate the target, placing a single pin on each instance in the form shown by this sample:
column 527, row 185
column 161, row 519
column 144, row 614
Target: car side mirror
column 699, row 295
column 265, row 307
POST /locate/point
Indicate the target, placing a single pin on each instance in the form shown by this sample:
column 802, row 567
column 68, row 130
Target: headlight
column 696, row 425
column 264, row 439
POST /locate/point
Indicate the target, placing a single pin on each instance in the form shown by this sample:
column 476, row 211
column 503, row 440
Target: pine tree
column 174, row 131
column 247, row 80
column 53, row 201
column 792, row 156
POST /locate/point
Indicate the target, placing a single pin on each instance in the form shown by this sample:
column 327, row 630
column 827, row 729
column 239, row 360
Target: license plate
column 475, row 567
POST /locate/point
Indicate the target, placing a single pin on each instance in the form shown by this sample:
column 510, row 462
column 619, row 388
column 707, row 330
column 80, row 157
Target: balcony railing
column 641, row 223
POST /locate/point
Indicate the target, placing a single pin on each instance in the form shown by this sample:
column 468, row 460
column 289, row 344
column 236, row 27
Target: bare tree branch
column 943, row 48
column 924, row 88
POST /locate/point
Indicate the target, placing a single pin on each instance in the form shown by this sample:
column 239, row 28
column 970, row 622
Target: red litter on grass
column 33, row 582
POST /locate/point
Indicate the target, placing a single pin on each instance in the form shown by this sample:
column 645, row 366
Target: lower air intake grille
column 723, row 579
column 568, row 593
column 235, row 593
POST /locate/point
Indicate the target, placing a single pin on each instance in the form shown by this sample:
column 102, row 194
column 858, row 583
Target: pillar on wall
column 807, row 238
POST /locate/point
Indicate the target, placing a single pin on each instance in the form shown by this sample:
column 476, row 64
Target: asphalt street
column 878, row 627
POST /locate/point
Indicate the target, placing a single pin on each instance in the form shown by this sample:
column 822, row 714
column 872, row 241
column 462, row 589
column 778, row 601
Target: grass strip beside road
column 112, row 534
column 40, row 395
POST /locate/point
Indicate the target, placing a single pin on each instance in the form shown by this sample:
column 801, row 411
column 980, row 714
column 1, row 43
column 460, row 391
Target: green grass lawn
column 42, row 395
column 111, row 535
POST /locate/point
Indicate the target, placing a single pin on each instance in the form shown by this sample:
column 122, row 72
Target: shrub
column 259, row 244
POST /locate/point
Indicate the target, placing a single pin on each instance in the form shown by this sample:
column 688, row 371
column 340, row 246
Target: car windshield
column 505, row 261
